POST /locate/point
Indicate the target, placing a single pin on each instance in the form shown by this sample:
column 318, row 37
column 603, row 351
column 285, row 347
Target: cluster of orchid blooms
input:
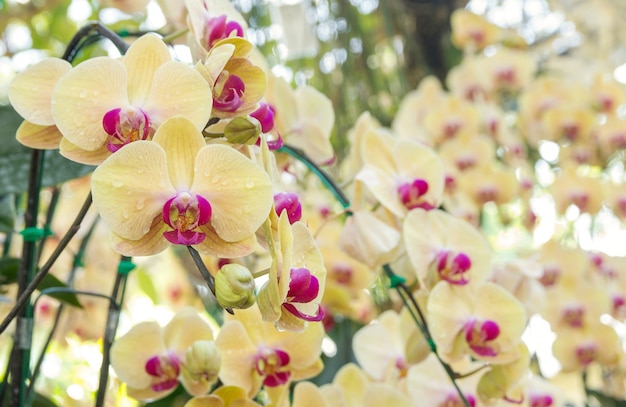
column 195, row 156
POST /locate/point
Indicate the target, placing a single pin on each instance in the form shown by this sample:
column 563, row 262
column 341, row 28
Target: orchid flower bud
column 234, row 286
column 202, row 362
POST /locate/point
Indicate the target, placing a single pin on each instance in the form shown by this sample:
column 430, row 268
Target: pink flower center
column 453, row 400
column 573, row 315
column 479, row 334
column 228, row 92
column 165, row 369
column 452, row 267
column 185, row 213
column 288, row 201
column 541, row 400
column 580, row 199
column 586, row 353
column 342, row 273
column 303, row 288
column 411, row 194
column 218, row 28
column 551, row 274
column 265, row 115
column 125, row 126
column 272, row 364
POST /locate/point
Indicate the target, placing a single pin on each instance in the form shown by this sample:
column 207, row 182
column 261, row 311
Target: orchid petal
column 142, row 60
column 214, row 245
column 130, row 187
column 237, row 352
column 178, row 89
column 184, row 329
column 84, row 95
column 77, row 154
column 306, row 394
column 239, row 191
column 30, row 93
column 149, row 244
column 181, row 141
column 39, row 137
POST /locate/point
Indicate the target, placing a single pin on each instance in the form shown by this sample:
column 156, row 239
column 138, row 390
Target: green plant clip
column 396, row 280
column 32, row 234
column 125, row 267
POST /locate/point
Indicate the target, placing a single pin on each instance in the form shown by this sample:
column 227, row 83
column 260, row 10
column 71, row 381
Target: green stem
column 117, row 295
column 54, row 200
column 328, row 182
column 22, row 337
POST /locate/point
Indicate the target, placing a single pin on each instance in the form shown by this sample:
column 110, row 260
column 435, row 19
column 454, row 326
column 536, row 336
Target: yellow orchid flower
column 30, row 94
column 402, row 174
column 236, row 83
column 225, row 396
column 437, row 253
column 254, row 353
column 504, row 381
column 485, row 322
column 104, row 104
column 352, row 387
column 472, row 31
column 304, row 118
column 290, row 300
column 387, row 348
column 450, row 118
column 151, row 360
column 576, row 349
column 211, row 21
column 428, row 381
column 176, row 189
column 572, row 188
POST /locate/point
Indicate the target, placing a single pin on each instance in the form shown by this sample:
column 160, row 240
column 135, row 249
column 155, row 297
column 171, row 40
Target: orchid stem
column 330, row 184
column 113, row 316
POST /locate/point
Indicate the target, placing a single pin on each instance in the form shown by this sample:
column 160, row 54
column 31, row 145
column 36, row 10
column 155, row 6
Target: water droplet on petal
column 215, row 179
column 249, row 184
column 82, row 93
column 125, row 215
column 117, row 183
column 224, row 183
column 140, row 204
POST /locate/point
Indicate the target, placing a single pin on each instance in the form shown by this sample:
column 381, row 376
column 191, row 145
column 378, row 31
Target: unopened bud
column 288, row 201
column 234, row 286
column 202, row 362
column 242, row 130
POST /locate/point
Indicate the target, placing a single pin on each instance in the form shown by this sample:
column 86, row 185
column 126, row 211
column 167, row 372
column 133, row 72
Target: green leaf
column 146, row 285
column 15, row 159
column 7, row 213
column 177, row 399
column 9, row 268
column 42, row 401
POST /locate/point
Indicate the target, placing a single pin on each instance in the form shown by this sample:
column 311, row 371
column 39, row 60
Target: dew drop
column 140, row 204
column 215, row 179
column 146, row 229
column 117, row 183
column 249, row 184
column 224, row 183
column 82, row 93
column 125, row 215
